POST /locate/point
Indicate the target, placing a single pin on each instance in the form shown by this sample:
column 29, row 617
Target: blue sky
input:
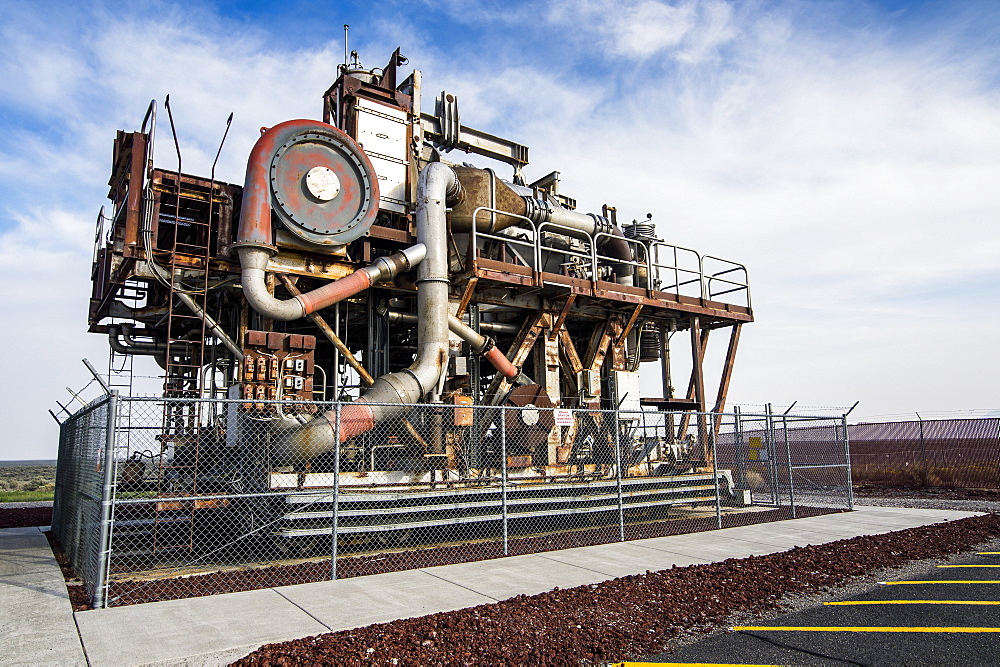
column 847, row 152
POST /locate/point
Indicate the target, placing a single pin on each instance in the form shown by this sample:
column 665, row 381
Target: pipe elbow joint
column 386, row 268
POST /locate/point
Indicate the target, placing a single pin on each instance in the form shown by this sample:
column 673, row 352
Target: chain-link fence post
column 772, row 456
column 739, row 450
column 715, row 473
column 104, row 553
column 925, row 476
column 847, row 464
column 335, row 505
column 788, row 454
column 618, row 474
column 503, row 478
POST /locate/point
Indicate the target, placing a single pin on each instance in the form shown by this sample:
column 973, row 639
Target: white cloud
column 690, row 31
column 852, row 171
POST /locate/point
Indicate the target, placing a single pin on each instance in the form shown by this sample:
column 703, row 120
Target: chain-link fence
column 211, row 496
column 923, row 453
column 80, row 519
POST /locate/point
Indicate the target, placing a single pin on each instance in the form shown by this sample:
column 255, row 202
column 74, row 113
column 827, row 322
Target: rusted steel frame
column 698, row 375
column 196, row 262
column 570, row 351
column 692, row 390
column 470, row 289
column 616, row 350
column 321, row 324
column 629, row 325
column 518, row 352
column 508, row 273
column 727, row 375
column 596, row 346
column 557, row 327
column 416, row 436
column 391, row 234
column 137, row 169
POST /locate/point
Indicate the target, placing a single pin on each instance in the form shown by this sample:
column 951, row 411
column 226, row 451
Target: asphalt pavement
column 947, row 615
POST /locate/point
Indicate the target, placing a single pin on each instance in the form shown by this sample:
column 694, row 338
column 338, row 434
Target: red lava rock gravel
column 125, row 592
column 624, row 618
column 25, row 517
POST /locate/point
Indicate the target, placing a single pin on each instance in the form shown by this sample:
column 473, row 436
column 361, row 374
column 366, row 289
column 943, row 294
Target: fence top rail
column 88, row 408
column 331, row 405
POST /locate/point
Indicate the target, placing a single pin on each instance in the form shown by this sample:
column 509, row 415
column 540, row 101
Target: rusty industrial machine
column 369, row 292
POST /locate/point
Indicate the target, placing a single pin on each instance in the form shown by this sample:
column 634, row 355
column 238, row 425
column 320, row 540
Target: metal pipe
column 390, row 395
column 488, row 327
column 100, row 600
column 321, row 324
column 589, row 224
column 115, row 330
column 253, row 260
column 503, row 477
column 788, row 455
column 847, row 461
column 483, row 345
column 212, row 325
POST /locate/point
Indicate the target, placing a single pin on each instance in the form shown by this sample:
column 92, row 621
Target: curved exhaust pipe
column 253, row 261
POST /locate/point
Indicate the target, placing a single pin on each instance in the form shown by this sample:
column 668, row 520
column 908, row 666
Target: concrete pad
column 25, row 551
column 36, row 618
column 519, row 575
column 361, row 601
column 177, row 629
column 621, row 559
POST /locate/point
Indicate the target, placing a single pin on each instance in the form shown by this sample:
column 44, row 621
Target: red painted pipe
column 355, row 418
column 338, row 290
column 501, row 363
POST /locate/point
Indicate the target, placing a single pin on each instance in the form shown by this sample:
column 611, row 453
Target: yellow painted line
column 944, row 581
column 686, row 664
column 793, row 628
column 855, row 602
column 968, row 565
column 988, row 553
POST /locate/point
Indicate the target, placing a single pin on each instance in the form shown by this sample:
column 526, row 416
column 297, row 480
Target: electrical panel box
column 626, row 390
column 278, row 367
column 590, row 384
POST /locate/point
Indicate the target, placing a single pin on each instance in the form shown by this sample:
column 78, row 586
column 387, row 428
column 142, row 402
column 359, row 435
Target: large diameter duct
column 483, row 191
column 321, row 186
column 436, row 187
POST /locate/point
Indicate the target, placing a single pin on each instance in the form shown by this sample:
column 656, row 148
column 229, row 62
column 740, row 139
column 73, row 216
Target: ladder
column 186, row 205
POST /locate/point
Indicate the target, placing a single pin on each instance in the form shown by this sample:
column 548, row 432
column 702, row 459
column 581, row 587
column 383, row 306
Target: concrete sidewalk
column 36, row 619
column 221, row 628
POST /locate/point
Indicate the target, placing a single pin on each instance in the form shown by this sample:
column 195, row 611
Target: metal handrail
column 655, row 268
column 656, row 265
column 589, row 256
column 475, row 234
column 735, row 284
column 635, row 262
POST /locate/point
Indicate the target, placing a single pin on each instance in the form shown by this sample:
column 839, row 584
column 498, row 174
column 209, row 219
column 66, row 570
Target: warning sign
column 564, row 417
